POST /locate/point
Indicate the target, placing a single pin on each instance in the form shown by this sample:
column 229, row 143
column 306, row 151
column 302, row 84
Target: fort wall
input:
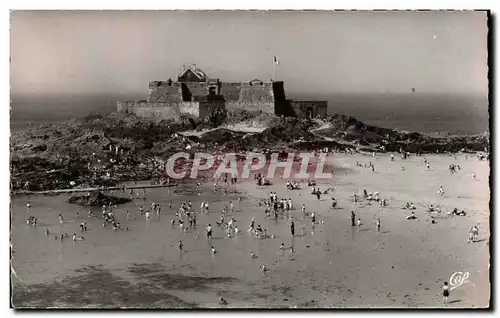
column 251, row 97
column 252, row 107
column 198, row 95
column 190, row 108
column 279, row 91
column 230, row 91
column 171, row 110
column 145, row 109
column 164, row 91
column 206, row 108
column 197, row 88
column 284, row 108
column 258, row 94
column 302, row 108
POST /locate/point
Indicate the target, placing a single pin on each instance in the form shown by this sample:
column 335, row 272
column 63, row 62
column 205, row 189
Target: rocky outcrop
column 104, row 150
column 97, row 199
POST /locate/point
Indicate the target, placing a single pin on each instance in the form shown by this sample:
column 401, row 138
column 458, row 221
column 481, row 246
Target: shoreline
column 342, row 167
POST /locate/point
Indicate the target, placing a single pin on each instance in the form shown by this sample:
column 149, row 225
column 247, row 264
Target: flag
column 276, row 61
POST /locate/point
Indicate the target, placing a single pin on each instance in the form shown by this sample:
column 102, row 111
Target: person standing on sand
column 292, row 228
column 222, row 302
column 318, row 194
column 475, row 232
column 471, row 236
column 334, row 203
column 353, row 218
column 446, row 292
column 252, row 225
column 209, row 232
column 378, row 225
column 441, row 191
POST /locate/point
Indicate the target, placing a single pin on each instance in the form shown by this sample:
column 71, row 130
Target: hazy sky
column 319, row 52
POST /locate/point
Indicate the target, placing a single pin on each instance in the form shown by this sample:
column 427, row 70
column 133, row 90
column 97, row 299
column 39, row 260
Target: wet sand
column 335, row 265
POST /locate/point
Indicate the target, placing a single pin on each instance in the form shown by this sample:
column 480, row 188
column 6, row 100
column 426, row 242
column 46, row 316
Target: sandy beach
column 332, row 265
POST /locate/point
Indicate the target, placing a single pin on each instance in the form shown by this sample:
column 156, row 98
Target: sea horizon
column 416, row 112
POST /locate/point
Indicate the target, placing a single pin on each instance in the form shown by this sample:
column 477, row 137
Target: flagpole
column 274, row 69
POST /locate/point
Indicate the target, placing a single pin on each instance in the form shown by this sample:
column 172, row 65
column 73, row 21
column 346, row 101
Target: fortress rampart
column 197, row 95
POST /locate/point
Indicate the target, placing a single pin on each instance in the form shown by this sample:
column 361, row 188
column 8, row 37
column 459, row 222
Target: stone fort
column 196, row 94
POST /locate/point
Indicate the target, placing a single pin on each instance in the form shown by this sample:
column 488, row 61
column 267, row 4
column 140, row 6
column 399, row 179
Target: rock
column 68, row 147
column 97, row 199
